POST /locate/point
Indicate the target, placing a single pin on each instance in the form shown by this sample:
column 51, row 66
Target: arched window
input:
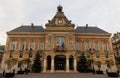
column 96, row 45
column 48, row 62
column 71, row 62
column 78, row 45
column 13, row 45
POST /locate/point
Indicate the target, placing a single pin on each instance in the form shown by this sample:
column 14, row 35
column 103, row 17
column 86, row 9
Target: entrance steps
column 59, row 71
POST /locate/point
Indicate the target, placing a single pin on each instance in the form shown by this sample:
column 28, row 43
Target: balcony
column 92, row 50
column 60, row 49
column 21, row 50
column 11, row 50
column 117, row 58
column 78, row 50
column 106, row 50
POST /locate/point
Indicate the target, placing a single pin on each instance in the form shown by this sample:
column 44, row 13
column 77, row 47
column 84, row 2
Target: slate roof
column 79, row 29
column 88, row 29
column 28, row 29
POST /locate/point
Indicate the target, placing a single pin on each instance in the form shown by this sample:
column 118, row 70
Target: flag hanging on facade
column 62, row 45
column 58, row 45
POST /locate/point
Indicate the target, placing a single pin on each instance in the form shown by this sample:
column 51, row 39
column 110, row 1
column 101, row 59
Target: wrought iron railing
column 60, row 49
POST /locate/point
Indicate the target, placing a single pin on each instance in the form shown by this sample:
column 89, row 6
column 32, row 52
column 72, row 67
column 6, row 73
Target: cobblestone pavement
column 61, row 75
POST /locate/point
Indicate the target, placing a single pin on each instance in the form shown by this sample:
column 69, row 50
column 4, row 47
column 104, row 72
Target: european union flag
column 62, row 45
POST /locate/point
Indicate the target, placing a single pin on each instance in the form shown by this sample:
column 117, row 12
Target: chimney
column 32, row 24
column 86, row 26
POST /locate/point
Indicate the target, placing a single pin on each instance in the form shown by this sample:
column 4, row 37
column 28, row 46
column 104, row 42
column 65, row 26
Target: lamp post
column 29, row 52
column 40, row 52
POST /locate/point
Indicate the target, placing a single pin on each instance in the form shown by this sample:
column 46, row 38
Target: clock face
column 60, row 21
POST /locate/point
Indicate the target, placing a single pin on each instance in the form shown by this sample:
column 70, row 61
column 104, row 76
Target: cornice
column 25, row 33
column 92, row 34
column 61, row 25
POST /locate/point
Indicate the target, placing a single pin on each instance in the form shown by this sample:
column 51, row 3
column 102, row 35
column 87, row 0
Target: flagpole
column 59, row 2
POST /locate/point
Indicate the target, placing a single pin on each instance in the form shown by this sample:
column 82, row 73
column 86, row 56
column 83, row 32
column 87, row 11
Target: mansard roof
column 28, row 29
column 81, row 29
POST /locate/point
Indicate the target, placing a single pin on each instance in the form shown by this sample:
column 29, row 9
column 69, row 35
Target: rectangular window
column 59, row 41
column 87, row 45
column 21, row 55
column 78, row 47
column 40, row 45
column 22, row 45
column 13, row 44
column 96, row 45
column 106, row 56
column 88, row 55
column 97, row 55
column 30, row 55
column 32, row 45
column 104, row 46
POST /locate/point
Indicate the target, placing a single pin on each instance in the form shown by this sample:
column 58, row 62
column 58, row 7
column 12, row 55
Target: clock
column 60, row 21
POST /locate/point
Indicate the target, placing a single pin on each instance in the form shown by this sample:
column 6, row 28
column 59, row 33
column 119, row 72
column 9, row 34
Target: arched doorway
column 48, row 62
column 71, row 62
column 60, row 62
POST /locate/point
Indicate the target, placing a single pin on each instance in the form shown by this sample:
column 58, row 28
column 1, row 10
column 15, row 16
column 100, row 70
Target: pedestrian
column 4, row 73
column 117, row 73
column 106, row 71
column 93, row 71
column 14, row 71
column 26, row 71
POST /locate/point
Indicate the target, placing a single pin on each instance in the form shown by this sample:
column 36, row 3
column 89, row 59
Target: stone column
column 44, row 68
column 52, row 64
column 75, row 65
column 67, row 64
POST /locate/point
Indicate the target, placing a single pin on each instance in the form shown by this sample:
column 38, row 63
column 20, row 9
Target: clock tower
column 59, row 22
column 59, row 39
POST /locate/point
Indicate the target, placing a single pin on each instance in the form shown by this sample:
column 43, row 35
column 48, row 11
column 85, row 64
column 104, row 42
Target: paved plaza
column 61, row 75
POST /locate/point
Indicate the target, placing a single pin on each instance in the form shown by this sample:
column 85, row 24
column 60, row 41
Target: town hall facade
column 60, row 44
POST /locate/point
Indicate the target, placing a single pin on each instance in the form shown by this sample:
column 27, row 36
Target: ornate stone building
column 116, row 48
column 60, row 44
column 2, row 48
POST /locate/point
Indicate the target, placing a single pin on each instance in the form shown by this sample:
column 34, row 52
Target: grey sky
column 104, row 14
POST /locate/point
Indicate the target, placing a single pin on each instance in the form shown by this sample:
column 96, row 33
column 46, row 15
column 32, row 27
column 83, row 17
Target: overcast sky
column 104, row 14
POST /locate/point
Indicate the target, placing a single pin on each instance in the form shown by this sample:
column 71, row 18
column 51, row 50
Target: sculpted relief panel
column 49, row 41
